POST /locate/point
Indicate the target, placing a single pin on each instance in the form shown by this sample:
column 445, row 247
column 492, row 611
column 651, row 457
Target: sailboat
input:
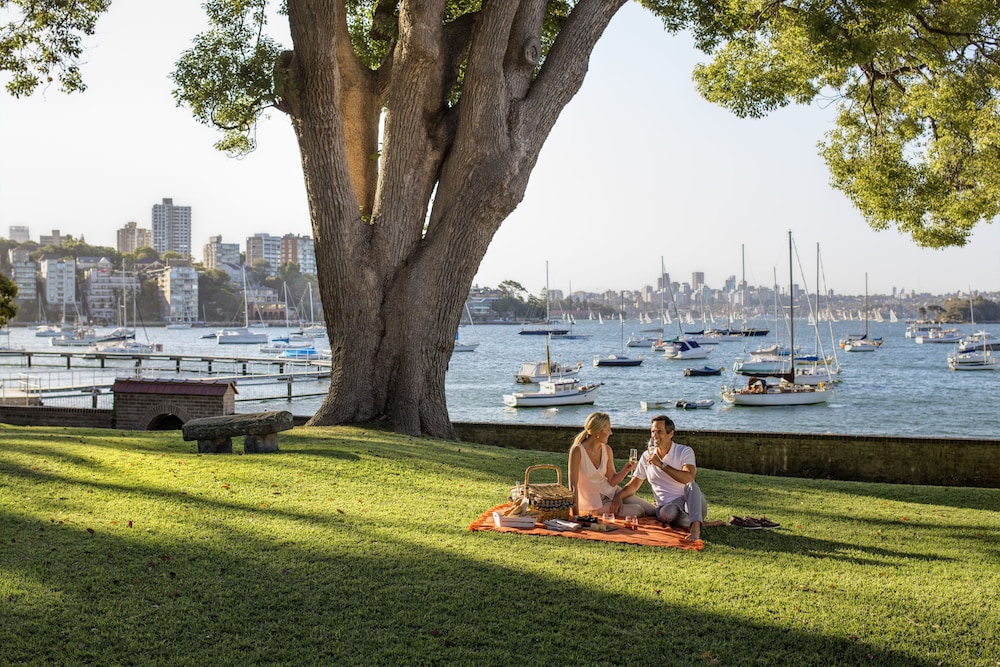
column 620, row 359
column 862, row 343
column 466, row 346
column 554, row 391
column 571, row 334
column 544, row 330
column 981, row 357
column 242, row 335
column 313, row 329
column 787, row 392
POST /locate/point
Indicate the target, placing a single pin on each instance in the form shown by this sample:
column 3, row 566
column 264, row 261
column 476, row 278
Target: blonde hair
column 596, row 421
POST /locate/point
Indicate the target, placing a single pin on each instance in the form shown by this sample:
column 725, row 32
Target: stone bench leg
column 260, row 444
column 216, row 446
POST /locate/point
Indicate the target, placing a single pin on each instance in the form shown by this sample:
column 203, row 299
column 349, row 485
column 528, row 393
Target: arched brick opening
column 165, row 423
column 159, row 416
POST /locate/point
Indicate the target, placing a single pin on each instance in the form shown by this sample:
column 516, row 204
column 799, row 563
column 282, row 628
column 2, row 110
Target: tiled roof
column 172, row 387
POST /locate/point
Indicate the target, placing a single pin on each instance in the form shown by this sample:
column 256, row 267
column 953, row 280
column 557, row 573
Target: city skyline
column 638, row 167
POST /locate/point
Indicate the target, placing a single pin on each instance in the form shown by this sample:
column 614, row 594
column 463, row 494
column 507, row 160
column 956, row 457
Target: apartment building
column 299, row 250
column 172, row 228
column 24, row 273
column 217, row 254
column 131, row 236
column 177, row 286
column 59, row 275
column 110, row 295
column 264, row 247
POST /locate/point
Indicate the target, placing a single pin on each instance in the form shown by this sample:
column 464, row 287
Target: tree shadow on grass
column 123, row 598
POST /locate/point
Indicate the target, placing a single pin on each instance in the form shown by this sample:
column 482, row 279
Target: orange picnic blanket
column 650, row 532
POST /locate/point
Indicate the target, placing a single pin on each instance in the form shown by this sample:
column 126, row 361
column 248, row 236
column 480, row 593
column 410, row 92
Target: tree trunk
column 394, row 283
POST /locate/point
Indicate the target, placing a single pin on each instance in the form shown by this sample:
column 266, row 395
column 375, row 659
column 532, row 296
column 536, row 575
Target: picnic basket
column 547, row 501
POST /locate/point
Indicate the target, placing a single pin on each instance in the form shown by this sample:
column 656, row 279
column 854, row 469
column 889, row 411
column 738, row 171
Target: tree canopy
column 419, row 124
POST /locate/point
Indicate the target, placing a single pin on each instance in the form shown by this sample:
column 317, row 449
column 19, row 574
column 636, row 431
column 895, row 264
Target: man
column 670, row 469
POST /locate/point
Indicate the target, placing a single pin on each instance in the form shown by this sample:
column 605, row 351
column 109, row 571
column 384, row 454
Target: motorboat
column 940, row 336
column 685, row 349
column 560, row 391
column 241, row 336
column 703, row 371
column 686, row 404
column 53, row 330
column 618, row 360
column 125, row 347
column 641, row 341
column 81, row 337
column 538, row 371
column 980, row 340
column 645, row 406
column 917, row 329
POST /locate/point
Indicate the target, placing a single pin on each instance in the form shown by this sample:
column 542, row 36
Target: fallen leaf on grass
column 340, row 511
column 90, row 530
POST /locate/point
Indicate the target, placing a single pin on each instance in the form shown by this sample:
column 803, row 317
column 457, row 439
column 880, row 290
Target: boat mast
column 791, row 313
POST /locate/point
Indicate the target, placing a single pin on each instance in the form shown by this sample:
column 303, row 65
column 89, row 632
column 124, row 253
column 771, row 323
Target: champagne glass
column 633, row 455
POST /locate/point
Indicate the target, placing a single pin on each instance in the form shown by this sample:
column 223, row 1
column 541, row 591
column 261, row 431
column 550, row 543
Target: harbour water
column 902, row 389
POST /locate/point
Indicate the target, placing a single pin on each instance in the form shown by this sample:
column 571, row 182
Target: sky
column 638, row 168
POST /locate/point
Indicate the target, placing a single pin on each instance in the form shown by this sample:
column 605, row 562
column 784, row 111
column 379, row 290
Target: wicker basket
column 547, row 501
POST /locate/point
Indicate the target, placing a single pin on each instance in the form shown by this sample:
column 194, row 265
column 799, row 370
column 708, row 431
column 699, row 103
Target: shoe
column 764, row 522
column 746, row 522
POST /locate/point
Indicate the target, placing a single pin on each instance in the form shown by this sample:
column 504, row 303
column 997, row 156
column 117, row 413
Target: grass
column 350, row 546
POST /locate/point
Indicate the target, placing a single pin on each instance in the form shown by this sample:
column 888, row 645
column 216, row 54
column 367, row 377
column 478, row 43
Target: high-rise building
column 131, row 236
column 264, row 247
column 299, row 250
column 172, row 228
column 697, row 280
column 217, row 253
column 19, row 234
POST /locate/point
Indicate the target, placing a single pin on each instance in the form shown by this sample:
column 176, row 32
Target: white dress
column 592, row 487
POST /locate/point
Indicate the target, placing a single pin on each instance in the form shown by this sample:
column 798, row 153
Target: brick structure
column 151, row 405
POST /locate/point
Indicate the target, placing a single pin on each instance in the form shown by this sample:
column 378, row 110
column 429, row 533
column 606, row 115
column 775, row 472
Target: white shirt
column 666, row 489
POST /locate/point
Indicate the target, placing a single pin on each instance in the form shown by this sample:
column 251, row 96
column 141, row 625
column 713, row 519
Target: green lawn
column 350, row 547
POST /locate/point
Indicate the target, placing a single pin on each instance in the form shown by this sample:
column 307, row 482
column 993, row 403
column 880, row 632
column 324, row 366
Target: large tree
column 419, row 123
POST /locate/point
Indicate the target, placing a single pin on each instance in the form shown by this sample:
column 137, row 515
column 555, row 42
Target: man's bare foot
column 695, row 534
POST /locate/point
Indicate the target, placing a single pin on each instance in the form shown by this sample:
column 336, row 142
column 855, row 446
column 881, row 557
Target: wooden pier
column 177, row 360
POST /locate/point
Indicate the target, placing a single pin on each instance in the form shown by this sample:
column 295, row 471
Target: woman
column 592, row 476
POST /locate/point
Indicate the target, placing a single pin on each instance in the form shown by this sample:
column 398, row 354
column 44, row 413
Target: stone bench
column 214, row 434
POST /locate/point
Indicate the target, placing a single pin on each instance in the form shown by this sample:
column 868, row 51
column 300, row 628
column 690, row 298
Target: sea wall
column 862, row 458
column 41, row 415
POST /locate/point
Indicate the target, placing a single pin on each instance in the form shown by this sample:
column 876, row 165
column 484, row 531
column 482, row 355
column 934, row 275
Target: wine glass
column 633, row 455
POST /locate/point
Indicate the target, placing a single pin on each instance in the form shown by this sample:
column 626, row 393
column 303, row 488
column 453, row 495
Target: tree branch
column 565, row 67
